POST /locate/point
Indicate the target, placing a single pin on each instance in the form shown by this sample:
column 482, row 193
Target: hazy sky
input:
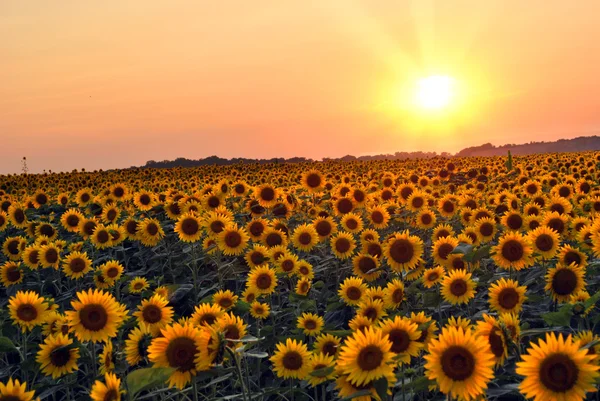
column 104, row 84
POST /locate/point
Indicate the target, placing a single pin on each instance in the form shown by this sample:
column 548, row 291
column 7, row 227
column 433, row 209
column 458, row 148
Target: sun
column 435, row 92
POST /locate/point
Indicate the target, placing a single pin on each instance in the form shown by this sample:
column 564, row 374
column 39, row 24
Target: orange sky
column 105, row 84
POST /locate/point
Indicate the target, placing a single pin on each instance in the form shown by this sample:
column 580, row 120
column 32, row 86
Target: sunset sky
column 107, row 84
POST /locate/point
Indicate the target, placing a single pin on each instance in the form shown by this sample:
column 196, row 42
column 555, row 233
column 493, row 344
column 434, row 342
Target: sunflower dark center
column 418, row 202
column 544, row 242
column 496, row 342
column 557, row 225
column 93, row 317
column 51, row 255
column 292, row 360
column 564, row 282
column 232, row 332
column 433, row 276
column 47, row 230
column 233, row 239
column 152, row 229
column 13, row 273
column 225, row 302
column 508, row 298
column 486, row 229
column 342, row 245
column 353, row 293
column 444, row 250
column 374, row 249
column 60, row 356
column 366, row 264
column 512, row 250
column 305, row 238
column 448, row 207
column 264, row 281
column 370, row 313
column 559, row 373
column 190, row 226
column 323, row 228
column 27, row 312
column 442, row 233
column 152, row 314
column 458, row 287
column 514, row 221
column 400, row 340
column 458, row 363
column 287, row 265
column 401, row 251
column 310, row 324
column 351, row 224
column 345, row 206
column 313, row 180
column 131, row 227
column 217, row 226
column 369, row 358
column 19, row 216
column 329, row 348
column 398, row 295
column 13, row 247
column 103, row 237
column 77, row 265
column 273, row 239
column 145, row 199
column 572, row 257
column 207, row 318
column 377, row 217
column 181, row 353
column 72, row 220
column 267, row 194
column 426, row 219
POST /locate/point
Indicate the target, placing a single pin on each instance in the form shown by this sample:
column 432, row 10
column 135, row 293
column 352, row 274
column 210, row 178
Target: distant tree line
column 579, row 144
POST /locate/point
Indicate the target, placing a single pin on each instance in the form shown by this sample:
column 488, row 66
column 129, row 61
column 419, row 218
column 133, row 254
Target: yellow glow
column 435, row 92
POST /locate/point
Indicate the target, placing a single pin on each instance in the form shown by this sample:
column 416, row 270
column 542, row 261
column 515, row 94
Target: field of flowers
column 469, row 279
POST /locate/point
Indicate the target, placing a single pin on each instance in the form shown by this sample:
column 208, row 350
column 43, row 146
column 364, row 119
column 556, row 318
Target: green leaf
column 360, row 393
column 431, row 299
column 509, row 162
column 323, row 372
column 592, row 300
column 463, row 248
column 560, row 318
column 256, row 354
column 381, row 386
column 6, row 345
column 142, row 379
column 482, row 252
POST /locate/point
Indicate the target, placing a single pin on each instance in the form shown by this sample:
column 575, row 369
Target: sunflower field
column 461, row 278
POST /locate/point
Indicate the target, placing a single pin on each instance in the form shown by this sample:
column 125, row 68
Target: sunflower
column 510, row 322
column 305, row 237
column 303, row 286
column 513, row 251
column 393, row 294
column 512, row 221
column 404, row 335
column 188, row 227
column 111, row 270
column 372, row 309
column 310, row 323
column 563, row 281
column 178, row 348
column 458, row 287
column 11, row 273
column 58, row 356
column 317, row 363
column 153, row 314
column 3, row 221
column 259, row 310
column 343, row 245
column 442, row 230
column 50, row 256
column 378, row 216
column 305, row 270
column 557, row 369
column 343, row 205
column 433, row 276
column 352, row 223
column 225, row 299
column 587, row 337
column 291, row 360
column 27, row 309
column 46, row 229
column 506, row 296
column 366, row 356
column 144, row 200
column 15, row 391
column 360, row 323
column 568, row 255
column 76, row 265
column 544, row 241
column 31, row 257
column 136, row 345
column 366, row 267
column 138, row 284
column 232, row 327
column 96, row 316
column 262, row 280
column 17, row 216
column 490, row 329
column 108, row 391
column 274, row 237
column 403, row 251
column 106, row 360
column 486, row 229
column 425, row 219
column 460, row 363
column 257, row 256
column 327, row 344
column 110, row 214
column 287, row 264
column 266, row 195
column 206, row 314
column 13, row 247
column 131, row 227
column 352, row 290
column 442, row 248
column 459, row 322
column 556, row 221
column 150, row 232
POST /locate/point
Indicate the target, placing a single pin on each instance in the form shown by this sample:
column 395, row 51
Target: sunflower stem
column 194, row 389
column 94, row 358
column 233, row 355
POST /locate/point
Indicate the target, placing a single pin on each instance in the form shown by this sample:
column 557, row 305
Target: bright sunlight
column 435, row 92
